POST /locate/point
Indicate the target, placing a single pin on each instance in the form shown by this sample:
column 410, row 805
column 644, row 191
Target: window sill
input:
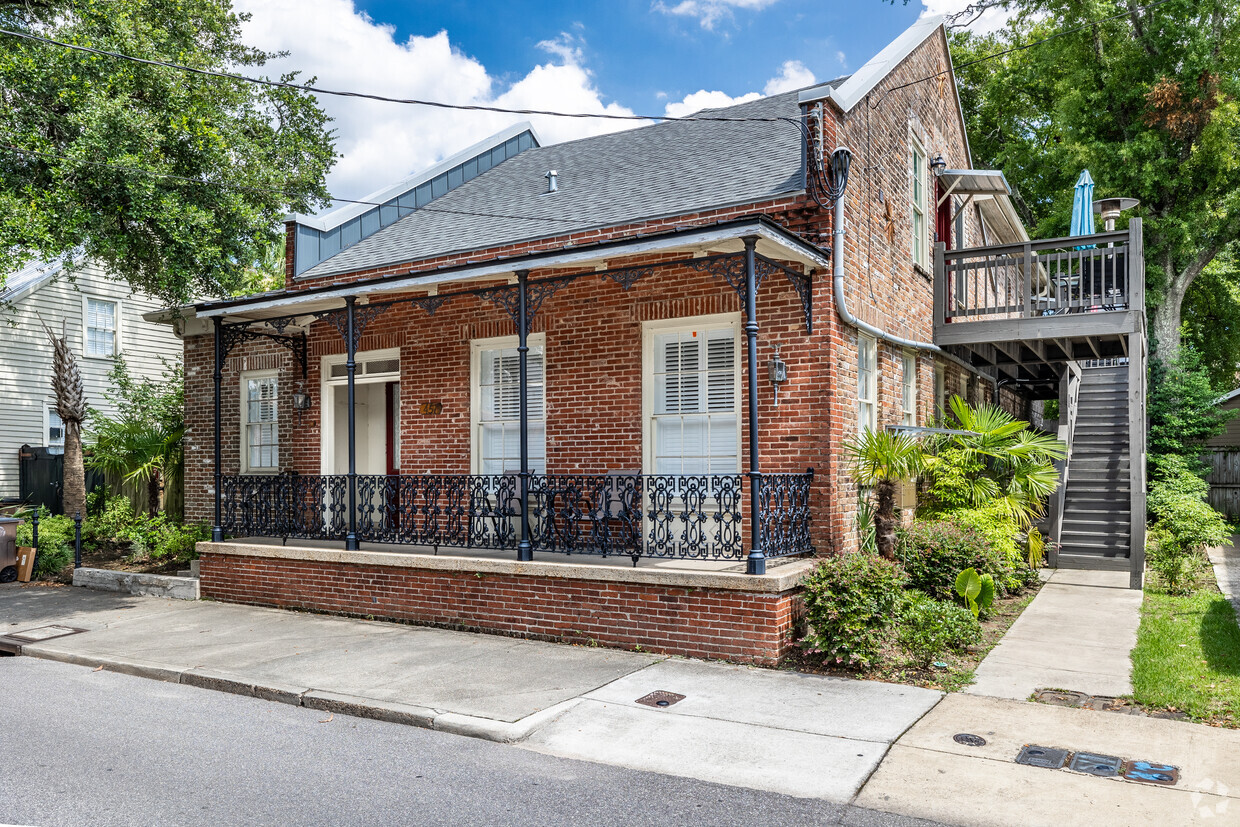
column 923, row 272
column 264, row 472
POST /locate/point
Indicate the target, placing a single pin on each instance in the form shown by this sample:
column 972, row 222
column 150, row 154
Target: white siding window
column 497, row 407
column 867, row 383
column 55, row 432
column 908, row 396
column 260, row 423
column 693, row 374
column 101, row 318
column 919, row 206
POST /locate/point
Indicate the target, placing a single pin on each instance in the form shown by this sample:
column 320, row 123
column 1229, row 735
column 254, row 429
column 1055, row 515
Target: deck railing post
column 217, row 529
column 525, row 549
column 1027, row 257
column 1136, row 265
column 350, row 343
column 756, row 562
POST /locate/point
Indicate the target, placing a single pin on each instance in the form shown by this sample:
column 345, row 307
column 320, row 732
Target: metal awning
column 970, row 182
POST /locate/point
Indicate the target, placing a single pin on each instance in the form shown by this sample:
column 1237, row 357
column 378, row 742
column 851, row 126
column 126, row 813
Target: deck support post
column 217, row 529
column 350, row 342
column 755, row 563
column 525, row 548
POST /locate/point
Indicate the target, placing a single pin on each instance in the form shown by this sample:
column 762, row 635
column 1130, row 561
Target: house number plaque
column 430, row 408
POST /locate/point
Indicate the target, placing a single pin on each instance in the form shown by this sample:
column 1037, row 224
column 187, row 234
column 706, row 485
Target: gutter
column 839, row 174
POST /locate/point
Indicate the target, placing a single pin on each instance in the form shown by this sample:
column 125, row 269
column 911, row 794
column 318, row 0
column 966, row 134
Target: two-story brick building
column 595, row 390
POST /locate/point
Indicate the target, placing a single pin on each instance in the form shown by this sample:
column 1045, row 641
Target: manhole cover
column 660, row 699
column 1103, row 766
column 43, row 633
column 1046, row 757
column 1058, row 697
column 1148, row 772
column 969, row 740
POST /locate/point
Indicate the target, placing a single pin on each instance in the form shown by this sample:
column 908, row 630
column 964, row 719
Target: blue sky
column 649, row 57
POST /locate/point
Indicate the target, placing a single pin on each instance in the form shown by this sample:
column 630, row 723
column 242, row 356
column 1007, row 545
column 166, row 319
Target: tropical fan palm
column 882, row 459
column 139, row 451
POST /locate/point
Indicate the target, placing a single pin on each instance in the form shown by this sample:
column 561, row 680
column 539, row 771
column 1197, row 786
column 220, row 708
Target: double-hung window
column 692, row 372
column 101, row 328
column 260, row 418
column 55, row 431
column 867, row 383
column 908, row 396
column 919, row 206
column 497, row 405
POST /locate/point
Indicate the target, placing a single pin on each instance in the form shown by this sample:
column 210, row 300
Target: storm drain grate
column 660, row 699
column 969, row 739
column 1103, row 766
column 1147, row 772
column 42, row 633
column 1048, row 758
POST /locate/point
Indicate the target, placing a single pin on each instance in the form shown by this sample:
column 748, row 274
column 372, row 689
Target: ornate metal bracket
column 363, row 315
column 429, row 303
column 538, row 292
column 235, row 334
column 628, row 277
column 731, row 267
column 508, row 298
column 803, row 284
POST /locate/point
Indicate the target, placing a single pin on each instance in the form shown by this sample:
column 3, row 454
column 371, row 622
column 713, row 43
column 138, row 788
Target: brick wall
column 745, row 627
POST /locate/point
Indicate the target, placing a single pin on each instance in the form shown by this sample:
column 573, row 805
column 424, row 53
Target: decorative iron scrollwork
column 234, row 334
column 629, row 276
column 784, row 514
column 537, row 292
column 363, row 315
column 429, row 303
column 730, row 267
column 801, row 283
column 507, row 298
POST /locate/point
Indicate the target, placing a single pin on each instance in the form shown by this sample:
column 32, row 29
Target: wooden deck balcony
column 1029, row 308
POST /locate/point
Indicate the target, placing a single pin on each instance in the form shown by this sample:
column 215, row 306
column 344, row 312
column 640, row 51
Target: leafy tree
column 1212, row 326
column 1147, row 101
column 1181, row 408
column 94, row 149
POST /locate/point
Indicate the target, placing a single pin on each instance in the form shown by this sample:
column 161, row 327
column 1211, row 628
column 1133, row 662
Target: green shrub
column 995, row 524
column 934, row 552
column 1175, row 566
column 930, row 628
column 850, row 602
column 978, row 590
column 55, row 542
column 112, row 522
column 1177, row 503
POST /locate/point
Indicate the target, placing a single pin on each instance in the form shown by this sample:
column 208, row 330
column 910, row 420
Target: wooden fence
column 1225, row 481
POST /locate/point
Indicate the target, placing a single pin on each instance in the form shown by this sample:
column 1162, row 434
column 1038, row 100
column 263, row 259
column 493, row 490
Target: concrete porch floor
column 731, row 566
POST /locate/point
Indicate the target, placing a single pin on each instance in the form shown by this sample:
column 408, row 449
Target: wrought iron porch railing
column 634, row 515
column 1039, row 278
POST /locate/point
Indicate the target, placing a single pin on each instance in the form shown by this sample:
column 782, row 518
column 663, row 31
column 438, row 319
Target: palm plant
column 996, row 459
column 70, row 393
column 139, row 451
column 881, row 460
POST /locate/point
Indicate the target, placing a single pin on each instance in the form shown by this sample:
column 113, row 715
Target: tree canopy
column 1146, row 100
column 95, row 151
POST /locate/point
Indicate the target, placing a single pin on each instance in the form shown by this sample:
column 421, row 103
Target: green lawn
column 1187, row 656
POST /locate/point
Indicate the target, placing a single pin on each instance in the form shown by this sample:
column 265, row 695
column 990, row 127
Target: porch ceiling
column 773, row 241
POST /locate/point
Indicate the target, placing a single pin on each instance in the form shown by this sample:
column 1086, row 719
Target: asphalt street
column 84, row 747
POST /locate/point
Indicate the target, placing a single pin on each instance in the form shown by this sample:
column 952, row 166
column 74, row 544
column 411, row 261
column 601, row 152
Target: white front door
column 370, row 434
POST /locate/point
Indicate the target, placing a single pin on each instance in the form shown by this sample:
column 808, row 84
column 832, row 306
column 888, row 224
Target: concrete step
column 1112, row 524
column 1085, row 560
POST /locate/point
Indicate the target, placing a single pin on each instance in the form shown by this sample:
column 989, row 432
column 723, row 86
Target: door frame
column 327, row 384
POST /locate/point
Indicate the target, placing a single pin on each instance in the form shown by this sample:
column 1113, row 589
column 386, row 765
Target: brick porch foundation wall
column 757, row 627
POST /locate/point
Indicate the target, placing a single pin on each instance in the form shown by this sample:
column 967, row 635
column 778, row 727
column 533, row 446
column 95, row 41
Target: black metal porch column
column 525, row 549
column 756, row 562
column 350, row 343
column 217, row 530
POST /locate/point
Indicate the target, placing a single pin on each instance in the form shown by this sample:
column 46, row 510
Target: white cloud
column 383, row 142
column 990, row 20
column 842, row 59
column 709, row 12
column 793, row 74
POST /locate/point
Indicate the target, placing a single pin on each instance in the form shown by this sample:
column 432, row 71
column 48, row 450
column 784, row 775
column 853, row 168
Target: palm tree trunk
column 152, row 494
column 74, row 491
column 885, row 519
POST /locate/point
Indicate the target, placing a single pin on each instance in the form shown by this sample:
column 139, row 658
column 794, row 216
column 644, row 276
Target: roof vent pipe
column 837, row 183
column 552, row 184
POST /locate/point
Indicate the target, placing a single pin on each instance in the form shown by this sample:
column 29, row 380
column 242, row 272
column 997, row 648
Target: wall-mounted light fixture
column 938, row 165
column 779, row 373
column 301, row 400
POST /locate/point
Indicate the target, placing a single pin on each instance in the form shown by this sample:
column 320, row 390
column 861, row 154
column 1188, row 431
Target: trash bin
column 8, row 548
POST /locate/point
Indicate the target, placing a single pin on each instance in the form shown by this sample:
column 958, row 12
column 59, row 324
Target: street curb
column 454, row 723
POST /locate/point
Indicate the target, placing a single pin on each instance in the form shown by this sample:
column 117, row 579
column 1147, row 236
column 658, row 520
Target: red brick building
column 701, row 333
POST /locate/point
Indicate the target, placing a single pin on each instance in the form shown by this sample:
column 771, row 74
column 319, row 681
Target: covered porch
column 742, row 516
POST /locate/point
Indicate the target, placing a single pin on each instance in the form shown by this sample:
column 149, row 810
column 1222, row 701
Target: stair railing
column 1069, row 404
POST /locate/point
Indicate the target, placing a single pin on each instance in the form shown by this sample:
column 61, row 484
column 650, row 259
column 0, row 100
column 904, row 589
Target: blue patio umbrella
column 1083, row 206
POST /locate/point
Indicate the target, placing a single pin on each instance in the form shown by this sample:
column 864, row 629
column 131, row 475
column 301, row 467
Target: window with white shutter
column 695, row 382
column 908, row 401
column 867, row 383
column 260, row 423
column 101, row 328
column 497, row 406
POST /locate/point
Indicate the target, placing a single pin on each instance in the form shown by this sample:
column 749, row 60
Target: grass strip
column 1187, row 657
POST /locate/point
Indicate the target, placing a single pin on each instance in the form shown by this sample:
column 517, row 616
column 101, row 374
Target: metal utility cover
column 1148, row 772
column 1048, row 758
column 1103, row 766
column 660, row 699
column 969, row 740
column 42, row 633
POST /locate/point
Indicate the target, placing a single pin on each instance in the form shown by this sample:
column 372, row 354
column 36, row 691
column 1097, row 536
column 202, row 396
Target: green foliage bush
column 1181, row 407
column 1184, row 524
column 978, row 590
column 995, row 524
column 55, row 542
column 934, row 552
column 930, row 628
column 1175, row 567
column 850, row 602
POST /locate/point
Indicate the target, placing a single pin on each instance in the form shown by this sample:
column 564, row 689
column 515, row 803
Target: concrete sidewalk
column 1076, row 635
column 1226, row 563
column 785, row 732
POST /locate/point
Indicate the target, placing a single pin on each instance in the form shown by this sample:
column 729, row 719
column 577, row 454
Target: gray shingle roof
column 668, row 168
column 30, row 277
